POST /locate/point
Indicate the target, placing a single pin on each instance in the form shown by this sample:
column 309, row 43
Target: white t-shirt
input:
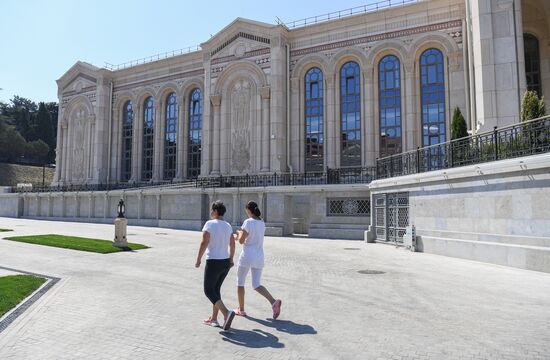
column 253, row 247
column 220, row 232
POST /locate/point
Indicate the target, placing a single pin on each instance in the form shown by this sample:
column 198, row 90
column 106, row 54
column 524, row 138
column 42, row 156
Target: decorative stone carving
column 79, row 138
column 240, row 119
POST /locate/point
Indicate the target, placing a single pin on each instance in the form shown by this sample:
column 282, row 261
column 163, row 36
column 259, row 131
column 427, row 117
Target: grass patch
column 14, row 288
column 3, row 230
column 75, row 243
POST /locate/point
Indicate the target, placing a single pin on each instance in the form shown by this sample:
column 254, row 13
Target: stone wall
column 286, row 209
column 497, row 212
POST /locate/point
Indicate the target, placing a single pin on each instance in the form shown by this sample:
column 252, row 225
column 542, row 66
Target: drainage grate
column 352, row 249
column 371, row 272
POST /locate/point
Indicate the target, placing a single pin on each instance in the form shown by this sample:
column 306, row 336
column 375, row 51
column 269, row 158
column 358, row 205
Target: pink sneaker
column 240, row 312
column 210, row 322
column 277, row 308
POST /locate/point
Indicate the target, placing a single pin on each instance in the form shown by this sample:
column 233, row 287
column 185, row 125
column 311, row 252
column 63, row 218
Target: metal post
column 418, row 160
column 495, row 141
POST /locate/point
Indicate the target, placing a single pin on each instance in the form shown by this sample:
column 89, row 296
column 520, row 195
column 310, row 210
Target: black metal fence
column 355, row 175
column 527, row 138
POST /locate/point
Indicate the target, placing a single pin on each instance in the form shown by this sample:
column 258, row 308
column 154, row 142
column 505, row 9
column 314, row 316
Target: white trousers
column 256, row 276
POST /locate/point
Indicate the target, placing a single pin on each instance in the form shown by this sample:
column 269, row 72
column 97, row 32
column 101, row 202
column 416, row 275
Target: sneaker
column 210, row 322
column 276, row 308
column 229, row 320
column 240, row 312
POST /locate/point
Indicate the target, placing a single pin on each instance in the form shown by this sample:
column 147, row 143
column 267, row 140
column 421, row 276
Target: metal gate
column 391, row 216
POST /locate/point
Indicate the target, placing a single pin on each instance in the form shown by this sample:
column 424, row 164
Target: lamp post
column 121, row 225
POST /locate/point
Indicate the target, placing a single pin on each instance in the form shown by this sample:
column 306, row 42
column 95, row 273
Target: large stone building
column 262, row 98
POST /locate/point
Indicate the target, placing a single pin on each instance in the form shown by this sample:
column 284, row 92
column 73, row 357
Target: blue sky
column 42, row 39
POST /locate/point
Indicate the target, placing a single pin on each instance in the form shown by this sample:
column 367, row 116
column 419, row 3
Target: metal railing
column 526, row 138
column 148, row 59
column 355, row 175
column 384, row 4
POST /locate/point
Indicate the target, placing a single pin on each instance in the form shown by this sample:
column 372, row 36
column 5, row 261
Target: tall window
column 127, row 134
column 148, row 139
column 195, row 126
column 432, row 93
column 314, row 119
column 350, row 114
column 170, row 137
column 532, row 62
column 389, row 98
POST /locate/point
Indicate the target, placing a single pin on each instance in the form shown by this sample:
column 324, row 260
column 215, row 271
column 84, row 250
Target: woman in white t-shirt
column 251, row 236
column 219, row 245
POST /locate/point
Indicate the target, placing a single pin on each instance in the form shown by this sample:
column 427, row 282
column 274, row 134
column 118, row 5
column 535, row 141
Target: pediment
column 240, row 37
column 81, row 75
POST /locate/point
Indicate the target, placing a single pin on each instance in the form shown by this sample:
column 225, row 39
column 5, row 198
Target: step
column 496, row 238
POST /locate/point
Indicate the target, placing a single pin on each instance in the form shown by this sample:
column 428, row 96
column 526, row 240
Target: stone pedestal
column 121, row 225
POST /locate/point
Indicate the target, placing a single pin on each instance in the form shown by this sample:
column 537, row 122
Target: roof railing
column 384, row 4
column 152, row 58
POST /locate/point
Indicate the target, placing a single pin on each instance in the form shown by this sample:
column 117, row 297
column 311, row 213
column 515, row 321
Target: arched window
column 148, row 139
column 532, row 62
column 350, row 114
column 127, row 134
column 432, row 93
column 389, row 104
column 195, row 127
column 314, row 119
column 170, row 136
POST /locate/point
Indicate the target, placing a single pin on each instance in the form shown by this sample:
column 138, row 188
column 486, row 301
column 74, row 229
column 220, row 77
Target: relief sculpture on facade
column 79, row 133
column 240, row 119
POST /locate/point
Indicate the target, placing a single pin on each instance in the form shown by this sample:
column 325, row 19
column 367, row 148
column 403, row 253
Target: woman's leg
column 241, row 279
column 219, row 282
column 256, row 280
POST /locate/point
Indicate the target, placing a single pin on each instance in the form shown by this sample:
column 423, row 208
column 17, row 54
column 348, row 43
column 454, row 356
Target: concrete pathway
column 149, row 304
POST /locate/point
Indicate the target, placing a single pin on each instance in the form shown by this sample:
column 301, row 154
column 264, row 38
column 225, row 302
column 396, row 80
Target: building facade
column 259, row 98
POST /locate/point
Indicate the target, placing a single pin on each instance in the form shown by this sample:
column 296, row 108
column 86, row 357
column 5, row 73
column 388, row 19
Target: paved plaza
column 149, row 304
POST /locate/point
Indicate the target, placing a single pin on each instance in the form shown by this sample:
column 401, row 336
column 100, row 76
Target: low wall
column 285, row 207
column 497, row 212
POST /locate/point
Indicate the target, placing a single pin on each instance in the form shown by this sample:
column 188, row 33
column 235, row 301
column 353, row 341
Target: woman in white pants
column 251, row 236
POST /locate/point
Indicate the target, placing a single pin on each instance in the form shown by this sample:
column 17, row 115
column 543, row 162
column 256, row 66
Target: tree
column 458, row 125
column 37, row 150
column 532, row 107
column 44, row 128
column 12, row 144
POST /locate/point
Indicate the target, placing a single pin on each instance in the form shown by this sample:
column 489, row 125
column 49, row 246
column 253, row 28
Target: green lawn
column 14, row 288
column 75, row 243
column 2, row 230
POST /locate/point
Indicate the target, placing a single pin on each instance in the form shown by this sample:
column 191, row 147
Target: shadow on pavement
column 286, row 326
column 252, row 339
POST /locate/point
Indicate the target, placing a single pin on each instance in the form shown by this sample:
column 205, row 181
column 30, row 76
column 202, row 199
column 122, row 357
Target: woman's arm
column 231, row 249
column 203, row 247
column 242, row 236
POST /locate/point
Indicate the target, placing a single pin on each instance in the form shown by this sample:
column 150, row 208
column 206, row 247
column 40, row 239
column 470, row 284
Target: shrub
column 458, row 125
column 532, row 107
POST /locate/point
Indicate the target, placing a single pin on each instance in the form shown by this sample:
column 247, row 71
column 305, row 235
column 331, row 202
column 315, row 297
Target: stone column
column 105, row 206
column 216, row 102
column 265, row 94
column 158, row 145
column 278, row 80
column 58, row 149
column 330, row 118
column 411, row 123
column 235, row 216
column 368, row 128
column 100, row 135
column 296, row 127
column 496, row 28
column 66, row 161
column 181, row 141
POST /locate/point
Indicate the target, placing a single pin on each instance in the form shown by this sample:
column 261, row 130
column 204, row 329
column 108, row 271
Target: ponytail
column 254, row 209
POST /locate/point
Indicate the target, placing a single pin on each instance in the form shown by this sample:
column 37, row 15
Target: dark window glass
column 148, row 139
column 314, row 119
column 389, row 94
column 170, row 138
column 432, row 93
column 532, row 63
column 350, row 114
column 195, row 127
column 127, row 135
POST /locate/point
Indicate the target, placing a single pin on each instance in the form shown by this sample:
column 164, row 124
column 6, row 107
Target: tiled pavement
column 149, row 304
